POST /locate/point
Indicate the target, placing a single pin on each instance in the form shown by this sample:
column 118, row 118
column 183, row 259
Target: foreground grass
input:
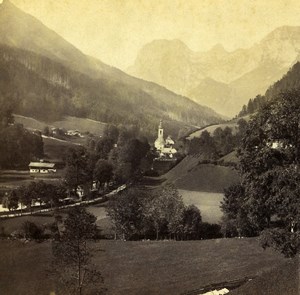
column 283, row 280
column 141, row 267
column 10, row 225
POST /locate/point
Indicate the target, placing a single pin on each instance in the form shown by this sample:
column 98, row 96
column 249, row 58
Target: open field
column 190, row 175
column 208, row 203
column 165, row 267
column 212, row 128
column 231, row 124
column 68, row 123
column 10, row 179
column 56, row 149
column 10, row 225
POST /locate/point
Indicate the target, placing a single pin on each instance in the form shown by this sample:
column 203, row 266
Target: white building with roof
column 42, row 167
column 164, row 147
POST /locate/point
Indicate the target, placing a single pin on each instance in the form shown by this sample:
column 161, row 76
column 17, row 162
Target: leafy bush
column 210, row 231
column 287, row 243
column 32, row 231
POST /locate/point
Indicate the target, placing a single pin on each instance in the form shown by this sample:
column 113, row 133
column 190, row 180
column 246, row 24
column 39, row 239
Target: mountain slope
column 52, row 78
column 213, row 93
column 288, row 82
column 291, row 80
column 47, row 90
column 246, row 72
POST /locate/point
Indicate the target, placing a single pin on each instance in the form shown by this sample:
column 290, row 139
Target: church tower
column 160, row 130
column 160, row 142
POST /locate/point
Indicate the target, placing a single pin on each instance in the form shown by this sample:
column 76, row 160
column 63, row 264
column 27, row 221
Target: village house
column 42, row 167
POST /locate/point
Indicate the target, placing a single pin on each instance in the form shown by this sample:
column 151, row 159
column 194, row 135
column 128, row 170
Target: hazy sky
column 114, row 30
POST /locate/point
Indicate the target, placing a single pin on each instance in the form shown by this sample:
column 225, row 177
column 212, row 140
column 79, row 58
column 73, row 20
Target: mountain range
column 217, row 78
column 48, row 77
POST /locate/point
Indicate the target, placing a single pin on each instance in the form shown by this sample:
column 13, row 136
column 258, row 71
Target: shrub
column 210, row 231
column 287, row 243
column 32, row 231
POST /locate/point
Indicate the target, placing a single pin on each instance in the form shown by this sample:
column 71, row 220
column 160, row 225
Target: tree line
column 47, row 194
column 18, row 146
column 161, row 214
column 116, row 156
column 221, row 142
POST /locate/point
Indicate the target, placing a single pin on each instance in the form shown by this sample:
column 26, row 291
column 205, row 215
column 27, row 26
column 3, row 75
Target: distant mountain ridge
column 50, row 78
column 236, row 76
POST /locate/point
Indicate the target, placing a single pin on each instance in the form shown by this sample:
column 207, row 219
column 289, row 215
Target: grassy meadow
column 232, row 124
column 189, row 174
column 68, row 123
column 164, row 267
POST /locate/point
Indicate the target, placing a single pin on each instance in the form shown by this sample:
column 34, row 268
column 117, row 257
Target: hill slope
column 51, row 78
column 191, row 175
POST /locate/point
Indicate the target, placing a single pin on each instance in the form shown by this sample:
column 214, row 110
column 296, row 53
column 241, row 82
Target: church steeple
column 160, row 130
column 160, row 142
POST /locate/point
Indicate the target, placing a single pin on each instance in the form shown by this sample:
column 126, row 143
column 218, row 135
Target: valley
column 177, row 175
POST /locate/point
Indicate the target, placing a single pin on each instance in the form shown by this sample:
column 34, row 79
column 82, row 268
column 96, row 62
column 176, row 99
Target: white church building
column 164, row 146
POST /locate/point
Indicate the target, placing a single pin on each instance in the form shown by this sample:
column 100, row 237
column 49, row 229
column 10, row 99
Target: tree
column 234, row 207
column 46, row 131
column 31, row 230
column 11, row 201
column 191, row 222
column 269, row 163
column 6, row 110
column 166, row 210
column 72, row 254
column 103, row 172
column 205, row 146
column 104, row 146
column 112, row 132
column 127, row 212
column 224, row 140
column 127, row 158
column 18, row 146
column 79, row 168
column 25, row 196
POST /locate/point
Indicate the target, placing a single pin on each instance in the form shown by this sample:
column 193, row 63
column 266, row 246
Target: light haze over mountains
column 217, row 78
column 221, row 79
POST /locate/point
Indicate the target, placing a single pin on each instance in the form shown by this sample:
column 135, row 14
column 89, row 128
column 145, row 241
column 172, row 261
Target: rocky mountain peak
column 283, row 33
column 218, row 48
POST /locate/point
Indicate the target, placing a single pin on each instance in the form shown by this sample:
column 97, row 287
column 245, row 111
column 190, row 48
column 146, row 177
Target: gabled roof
column 41, row 165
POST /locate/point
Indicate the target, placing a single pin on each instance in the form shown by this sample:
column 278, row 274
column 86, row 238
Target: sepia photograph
column 149, row 147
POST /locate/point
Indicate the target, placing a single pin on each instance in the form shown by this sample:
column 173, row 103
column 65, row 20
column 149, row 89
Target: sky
column 115, row 30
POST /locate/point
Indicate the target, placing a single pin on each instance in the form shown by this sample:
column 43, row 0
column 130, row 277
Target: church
column 164, row 147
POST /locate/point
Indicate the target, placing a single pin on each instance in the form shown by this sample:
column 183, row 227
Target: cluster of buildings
column 164, row 147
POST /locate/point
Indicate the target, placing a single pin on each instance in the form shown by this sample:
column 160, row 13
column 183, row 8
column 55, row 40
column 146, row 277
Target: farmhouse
column 42, row 167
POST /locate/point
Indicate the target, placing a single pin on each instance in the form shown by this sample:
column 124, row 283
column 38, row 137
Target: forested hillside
column 291, row 80
column 46, row 89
